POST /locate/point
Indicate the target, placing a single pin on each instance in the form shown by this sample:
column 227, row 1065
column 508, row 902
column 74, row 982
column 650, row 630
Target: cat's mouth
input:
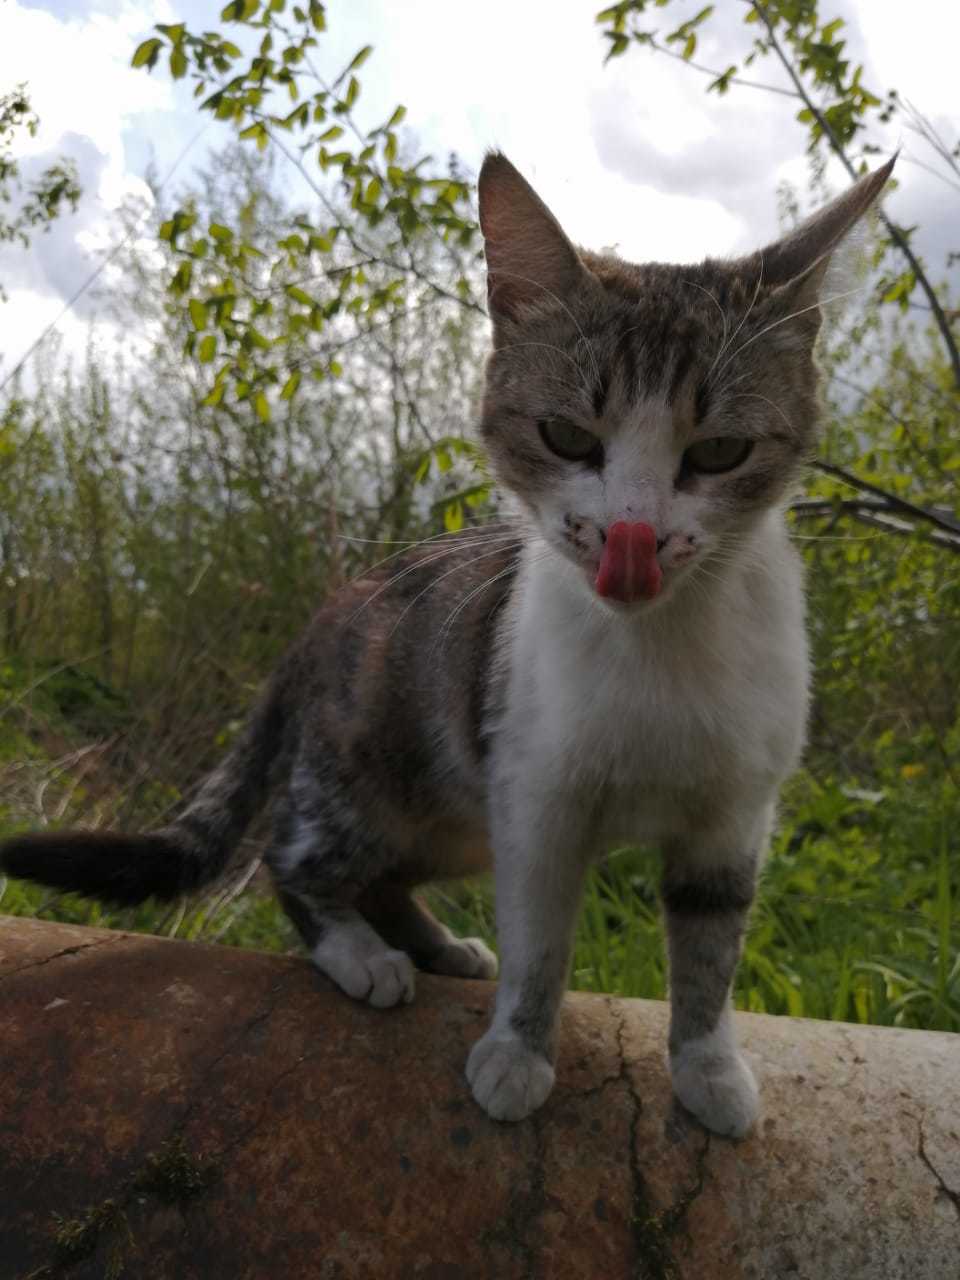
column 629, row 570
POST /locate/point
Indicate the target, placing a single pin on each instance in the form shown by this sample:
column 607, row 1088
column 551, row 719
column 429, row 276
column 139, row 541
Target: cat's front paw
column 508, row 1080
column 719, row 1089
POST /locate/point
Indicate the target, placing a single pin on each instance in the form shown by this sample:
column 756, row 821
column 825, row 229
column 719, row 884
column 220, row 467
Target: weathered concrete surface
column 194, row 1113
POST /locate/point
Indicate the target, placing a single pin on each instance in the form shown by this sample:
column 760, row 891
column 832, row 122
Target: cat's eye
column 722, row 453
column 569, row 441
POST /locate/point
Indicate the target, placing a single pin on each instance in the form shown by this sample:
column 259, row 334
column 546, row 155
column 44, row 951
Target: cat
column 623, row 661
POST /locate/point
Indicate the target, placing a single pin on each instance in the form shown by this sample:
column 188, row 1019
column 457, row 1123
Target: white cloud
column 634, row 154
column 82, row 87
column 79, row 75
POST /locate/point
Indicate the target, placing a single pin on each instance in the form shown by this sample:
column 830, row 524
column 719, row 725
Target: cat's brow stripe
column 681, row 370
column 627, row 363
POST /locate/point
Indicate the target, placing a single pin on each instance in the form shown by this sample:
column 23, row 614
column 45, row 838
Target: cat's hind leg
column 319, row 865
column 408, row 923
column 348, row 950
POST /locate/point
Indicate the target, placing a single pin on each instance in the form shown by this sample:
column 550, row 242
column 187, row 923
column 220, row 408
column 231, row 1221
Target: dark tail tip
column 118, row 868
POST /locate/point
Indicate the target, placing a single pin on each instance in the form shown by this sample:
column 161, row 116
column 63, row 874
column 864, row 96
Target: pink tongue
column 628, row 568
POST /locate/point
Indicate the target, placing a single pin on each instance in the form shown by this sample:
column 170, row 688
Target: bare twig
column 870, row 511
column 893, row 231
column 893, row 502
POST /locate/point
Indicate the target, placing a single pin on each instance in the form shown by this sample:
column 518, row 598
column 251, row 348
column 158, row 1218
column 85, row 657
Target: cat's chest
column 664, row 708
column 650, row 719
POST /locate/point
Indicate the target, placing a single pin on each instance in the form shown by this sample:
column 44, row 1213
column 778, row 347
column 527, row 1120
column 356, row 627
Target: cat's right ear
column 801, row 258
column 529, row 259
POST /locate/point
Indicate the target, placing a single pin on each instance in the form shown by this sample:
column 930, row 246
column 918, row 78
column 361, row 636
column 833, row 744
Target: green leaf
column 220, row 232
column 182, row 278
column 198, row 313
column 397, row 116
column 618, row 45
column 207, row 349
column 360, row 58
column 290, row 386
column 453, row 516
column 216, row 395
column 258, row 132
column 178, row 62
column 331, row 134
column 146, row 53
column 262, row 406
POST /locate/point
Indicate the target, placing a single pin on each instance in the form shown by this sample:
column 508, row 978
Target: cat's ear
column 529, row 258
column 801, row 258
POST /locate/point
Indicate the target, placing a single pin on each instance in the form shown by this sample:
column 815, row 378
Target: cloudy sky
column 634, row 155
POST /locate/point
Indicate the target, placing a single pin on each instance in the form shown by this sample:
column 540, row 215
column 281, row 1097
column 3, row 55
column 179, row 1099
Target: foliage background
column 167, row 523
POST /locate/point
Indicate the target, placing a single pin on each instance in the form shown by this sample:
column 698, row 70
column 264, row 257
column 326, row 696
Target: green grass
column 856, row 918
column 818, row 956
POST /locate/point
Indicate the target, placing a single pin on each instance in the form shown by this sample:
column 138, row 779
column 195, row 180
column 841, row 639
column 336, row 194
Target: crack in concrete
column 654, row 1229
column 952, row 1195
column 673, row 1217
column 517, row 1232
column 130, row 1188
column 264, row 1015
column 67, row 951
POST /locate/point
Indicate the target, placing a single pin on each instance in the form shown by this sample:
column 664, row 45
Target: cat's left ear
column 529, row 258
column 800, row 260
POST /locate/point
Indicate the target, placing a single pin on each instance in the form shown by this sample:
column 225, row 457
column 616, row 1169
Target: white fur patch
column 712, row 1080
column 695, row 706
column 361, row 964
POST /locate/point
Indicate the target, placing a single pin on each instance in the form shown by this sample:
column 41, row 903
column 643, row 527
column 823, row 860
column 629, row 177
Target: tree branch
column 870, row 511
column 891, row 500
column 718, row 75
column 893, row 231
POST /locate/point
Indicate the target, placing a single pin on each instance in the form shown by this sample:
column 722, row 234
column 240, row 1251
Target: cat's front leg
column 708, row 886
column 540, row 867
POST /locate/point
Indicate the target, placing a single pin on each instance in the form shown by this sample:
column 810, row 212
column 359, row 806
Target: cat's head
column 648, row 416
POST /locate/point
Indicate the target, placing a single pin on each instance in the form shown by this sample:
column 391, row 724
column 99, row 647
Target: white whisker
column 755, row 395
column 419, row 564
column 544, row 375
column 456, row 568
column 723, row 316
column 725, row 345
column 450, row 620
column 529, row 280
column 424, row 542
column 821, row 302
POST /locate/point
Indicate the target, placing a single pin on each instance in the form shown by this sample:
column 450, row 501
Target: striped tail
column 192, row 851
